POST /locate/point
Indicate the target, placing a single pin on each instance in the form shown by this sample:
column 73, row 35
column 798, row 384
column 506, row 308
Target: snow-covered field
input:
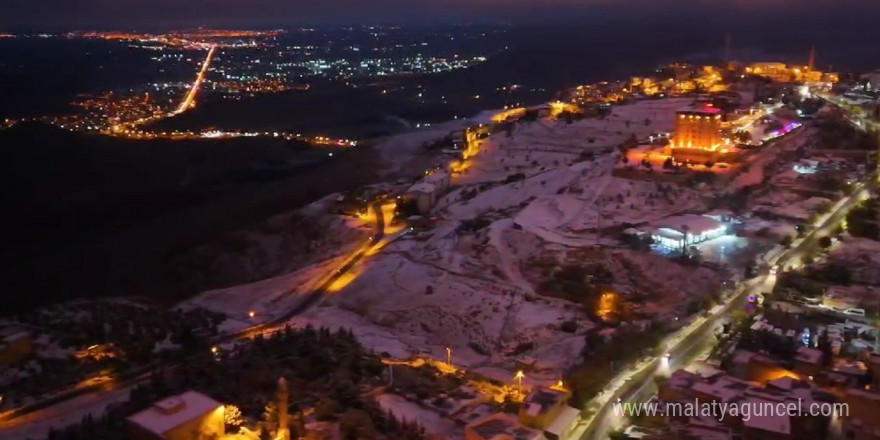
column 862, row 256
column 38, row 425
column 435, row 424
column 537, row 193
column 541, row 192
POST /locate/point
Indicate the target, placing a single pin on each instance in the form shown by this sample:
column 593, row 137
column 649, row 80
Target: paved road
column 637, row 383
column 50, row 407
column 316, row 295
column 190, row 98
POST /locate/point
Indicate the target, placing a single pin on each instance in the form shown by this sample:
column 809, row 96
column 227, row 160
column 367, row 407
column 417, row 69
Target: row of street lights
column 519, row 376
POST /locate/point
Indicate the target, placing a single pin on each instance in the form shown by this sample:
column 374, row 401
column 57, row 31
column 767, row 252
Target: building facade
column 697, row 135
column 188, row 416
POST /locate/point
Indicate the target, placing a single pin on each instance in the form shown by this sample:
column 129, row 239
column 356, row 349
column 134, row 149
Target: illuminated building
column 686, row 230
column 776, row 71
column 779, row 72
column 188, row 416
column 547, row 409
column 872, row 80
column 542, row 406
column 697, row 135
column 648, row 86
column 426, row 192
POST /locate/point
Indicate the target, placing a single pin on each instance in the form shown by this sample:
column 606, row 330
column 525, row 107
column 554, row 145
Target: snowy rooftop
column 437, row 177
column 174, row 411
column 696, row 224
column 725, row 388
column 542, row 399
column 502, row 425
column 14, row 336
column 422, row 187
column 681, row 379
column 780, row 424
column 701, row 110
column 808, row 355
column 565, row 419
column 784, row 383
column 696, row 430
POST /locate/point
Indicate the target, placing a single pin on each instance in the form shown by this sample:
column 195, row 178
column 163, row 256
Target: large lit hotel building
column 697, row 135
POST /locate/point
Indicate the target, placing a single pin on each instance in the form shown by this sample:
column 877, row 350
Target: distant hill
column 93, row 215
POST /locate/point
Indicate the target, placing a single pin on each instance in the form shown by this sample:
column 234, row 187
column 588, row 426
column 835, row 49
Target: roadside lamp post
column 519, row 378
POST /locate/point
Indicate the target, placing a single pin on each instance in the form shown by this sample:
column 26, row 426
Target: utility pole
column 599, row 221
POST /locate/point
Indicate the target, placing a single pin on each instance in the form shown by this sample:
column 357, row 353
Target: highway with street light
column 635, row 384
column 58, row 407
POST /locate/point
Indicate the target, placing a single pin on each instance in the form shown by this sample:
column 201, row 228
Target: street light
column 519, row 377
column 449, row 356
column 251, row 314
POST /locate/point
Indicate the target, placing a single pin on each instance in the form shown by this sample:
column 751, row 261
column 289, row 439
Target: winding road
column 15, row 422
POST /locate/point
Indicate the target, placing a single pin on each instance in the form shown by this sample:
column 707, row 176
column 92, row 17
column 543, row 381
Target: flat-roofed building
column 766, row 426
column 188, row 416
column 541, row 407
column 862, row 422
column 685, row 230
column 807, row 361
column 500, row 426
column 426, row 192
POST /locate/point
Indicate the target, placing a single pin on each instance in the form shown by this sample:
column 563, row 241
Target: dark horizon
column 58, row 15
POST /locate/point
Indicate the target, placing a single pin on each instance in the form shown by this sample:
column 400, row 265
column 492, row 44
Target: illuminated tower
column 698, row 128
column 697, row 136
column 283, row 395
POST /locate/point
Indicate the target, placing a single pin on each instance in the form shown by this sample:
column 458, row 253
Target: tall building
column 283, row 397
column 697, row 135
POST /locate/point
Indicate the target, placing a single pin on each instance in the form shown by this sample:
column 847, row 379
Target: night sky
column 118, row 14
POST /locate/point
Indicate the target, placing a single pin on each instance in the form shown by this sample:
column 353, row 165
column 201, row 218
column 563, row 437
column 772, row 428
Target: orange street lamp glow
column 519, row 378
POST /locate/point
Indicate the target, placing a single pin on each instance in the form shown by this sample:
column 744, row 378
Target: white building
column 686, row 230
column 806, row 166
column 872, row 79
column 426, row 192
column 188, row 416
